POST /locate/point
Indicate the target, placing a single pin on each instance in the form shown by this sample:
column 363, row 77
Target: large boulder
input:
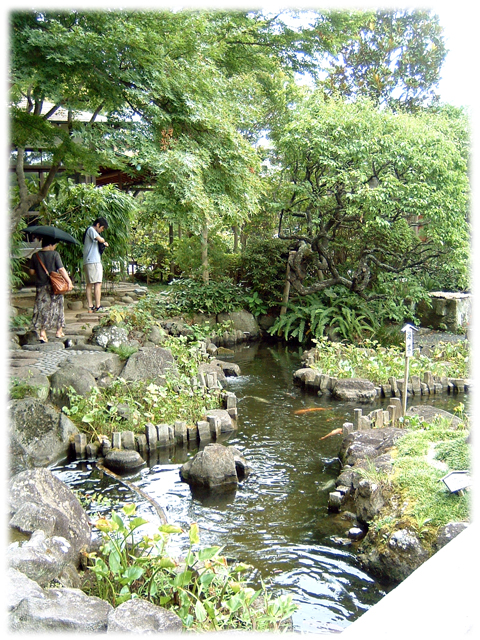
column 212, row 468
column 123, row 461
column 39, row 500
column 354, row 390
column 429, row 413
column 98, row 363
column 394, row 559
column 70, row 376
column 41, row 559
column 370, row 444
column 229, row 369
column 36, row 384
column 150, row 363
column 141, row 616
column 242, row 321
column 61, row 610
column 39, row 434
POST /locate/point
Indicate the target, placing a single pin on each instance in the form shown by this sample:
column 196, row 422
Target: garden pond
column 277, row 520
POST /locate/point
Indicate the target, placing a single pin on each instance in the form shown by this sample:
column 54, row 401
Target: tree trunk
column 286, row 291
column 204, row 240
column 236, row 233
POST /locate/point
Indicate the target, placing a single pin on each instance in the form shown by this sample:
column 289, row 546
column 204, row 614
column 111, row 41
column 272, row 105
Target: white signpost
column 408, row 329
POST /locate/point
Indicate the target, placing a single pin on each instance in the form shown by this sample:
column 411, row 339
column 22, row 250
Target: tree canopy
column 395, row 60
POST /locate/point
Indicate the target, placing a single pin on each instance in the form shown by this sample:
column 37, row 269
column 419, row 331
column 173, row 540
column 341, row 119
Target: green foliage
column 75, row 207
column 124, row 351
column 204, row 590
column 127, row 406
column 18, row 273
column 19, row 389
column 378, row 363
column 455, row 453
column 419, row 482
column 187, row 256
column 22, row 320
column 263, row 267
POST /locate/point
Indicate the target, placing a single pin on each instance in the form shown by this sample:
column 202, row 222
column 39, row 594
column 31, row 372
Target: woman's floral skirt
column 48, row 310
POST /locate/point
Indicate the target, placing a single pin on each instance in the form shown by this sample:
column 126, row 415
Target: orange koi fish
column 335, row 432
column 301, row 411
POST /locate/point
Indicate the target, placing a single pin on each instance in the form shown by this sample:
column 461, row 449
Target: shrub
column 188, row 296
column 263, row 267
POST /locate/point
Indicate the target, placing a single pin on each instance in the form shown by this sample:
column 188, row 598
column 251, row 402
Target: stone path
column 46, row 358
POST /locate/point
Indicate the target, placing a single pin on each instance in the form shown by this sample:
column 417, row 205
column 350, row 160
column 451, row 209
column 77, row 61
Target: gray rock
column 448, row 532
column 241, row 465
column 98, row 364
column 70, row 375
column 141, row 616
column 212, row 468
column 229, row 369
column 67, row 610
column 354, row 390
column 242, row 321
column 37, row 384
column 150, row 363
column 211, row 367
column 109, row 336
column 226, row 422
column 19, row 587
column 156, row 335
column 123, row 461
column 369, row 500
column 39, row 434
column 44, row 347
column 41, row 559
column 38, row 496
column 362, row 445
column 395, row 560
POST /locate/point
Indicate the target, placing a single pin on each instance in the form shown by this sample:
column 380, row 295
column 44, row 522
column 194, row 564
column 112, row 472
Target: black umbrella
column 51, row 232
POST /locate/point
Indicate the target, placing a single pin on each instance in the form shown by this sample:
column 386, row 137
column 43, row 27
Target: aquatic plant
column 203, row 589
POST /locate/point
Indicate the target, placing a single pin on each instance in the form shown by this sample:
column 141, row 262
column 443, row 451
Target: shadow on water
column 277, row 520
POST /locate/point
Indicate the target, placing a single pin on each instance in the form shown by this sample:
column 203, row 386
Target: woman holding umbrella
column 48, row 310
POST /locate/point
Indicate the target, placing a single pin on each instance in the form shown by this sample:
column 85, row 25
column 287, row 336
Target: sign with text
column 408, row 329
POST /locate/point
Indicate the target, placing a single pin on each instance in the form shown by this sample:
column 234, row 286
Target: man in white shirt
column 92, row 263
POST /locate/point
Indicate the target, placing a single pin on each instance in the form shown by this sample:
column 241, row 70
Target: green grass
column 426, row 503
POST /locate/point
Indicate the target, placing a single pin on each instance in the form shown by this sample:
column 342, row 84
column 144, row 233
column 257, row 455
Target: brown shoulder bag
column 58, row 282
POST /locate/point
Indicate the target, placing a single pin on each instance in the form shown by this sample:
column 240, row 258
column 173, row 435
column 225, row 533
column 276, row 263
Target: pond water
column 277, row 520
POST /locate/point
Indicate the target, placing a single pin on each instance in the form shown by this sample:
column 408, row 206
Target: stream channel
column 277, row 520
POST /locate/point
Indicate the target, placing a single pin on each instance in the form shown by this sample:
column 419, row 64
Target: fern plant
column 345, row 315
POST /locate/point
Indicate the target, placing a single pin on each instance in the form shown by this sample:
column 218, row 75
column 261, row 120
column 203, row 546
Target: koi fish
column 256, row 398
column 335, row 432
column 301, row 411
